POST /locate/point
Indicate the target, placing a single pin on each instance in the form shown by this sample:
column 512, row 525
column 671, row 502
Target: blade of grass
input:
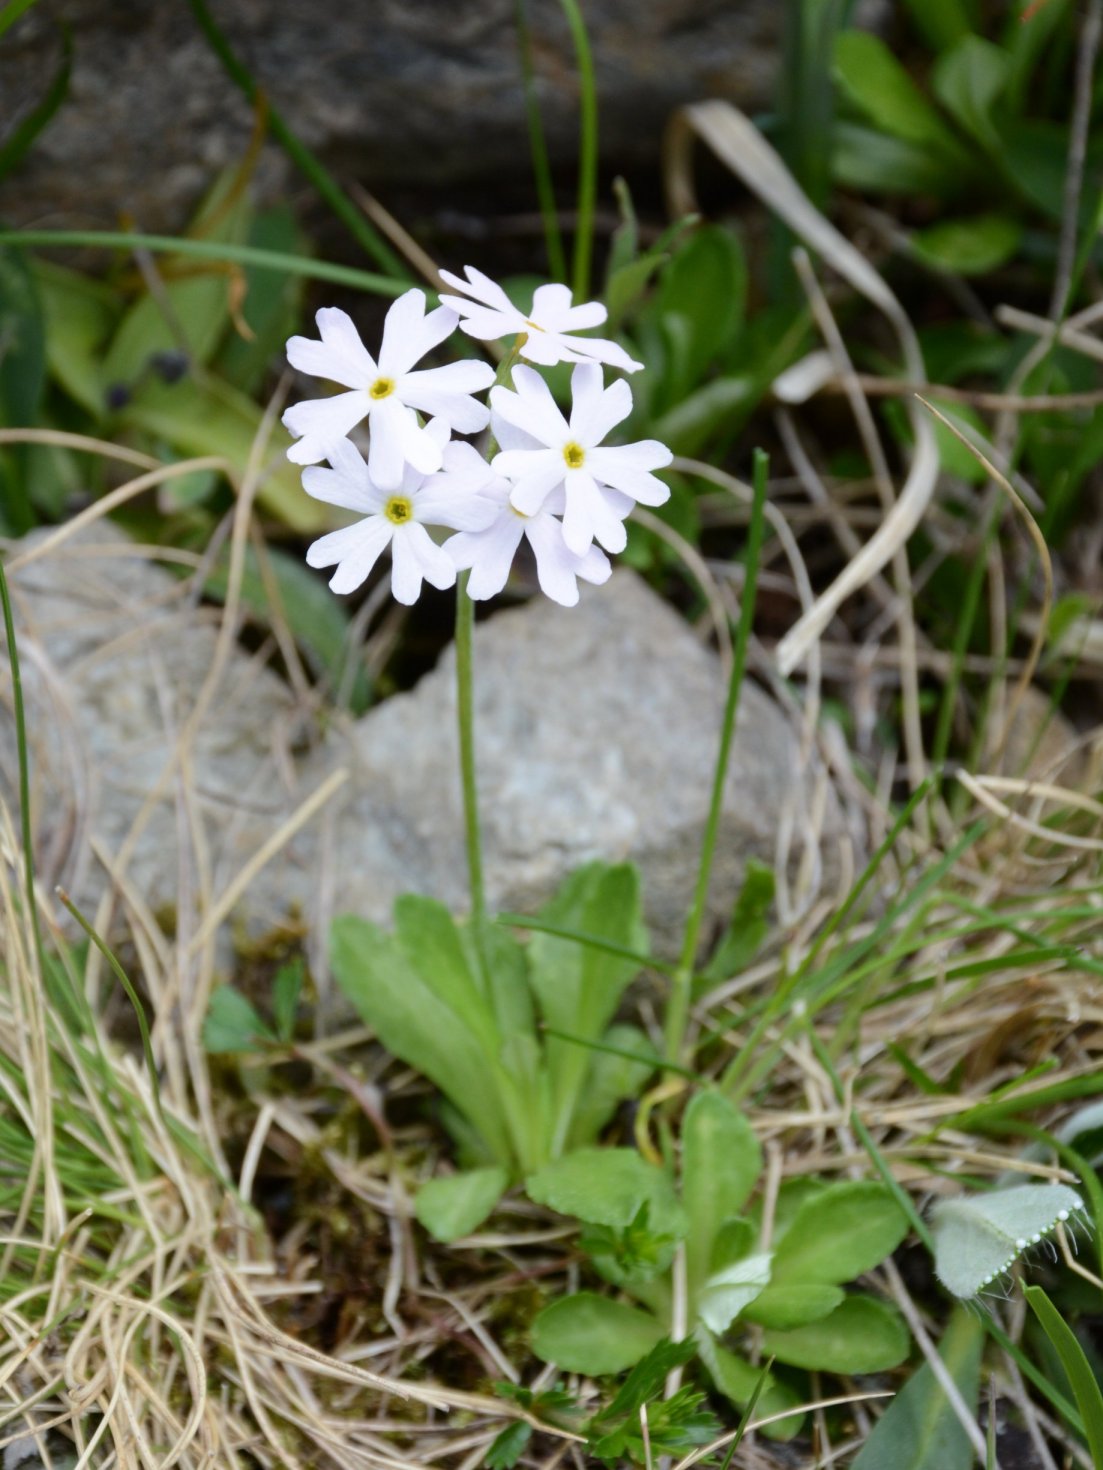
column 12, row 11
column 644, row 1058
column 251, row 255
column 304, row 160
column 741, row 1428
column 592, row 941
column 29, row 127
column 1081, row 1378
column 587, row 149
column 538, row 148
column 677, row 1014
column 24, row 770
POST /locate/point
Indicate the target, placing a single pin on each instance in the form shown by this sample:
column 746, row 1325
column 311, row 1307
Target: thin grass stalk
column 24, row 771
column 538, row 149
column 587, row 149
column 678, row 1005
column 304, row 160
column 249, row 255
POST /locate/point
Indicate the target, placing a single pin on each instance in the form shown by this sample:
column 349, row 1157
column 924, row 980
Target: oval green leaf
column 587, row 1333
column 862, row 1335
column 838, row 1233
column 457, row 1204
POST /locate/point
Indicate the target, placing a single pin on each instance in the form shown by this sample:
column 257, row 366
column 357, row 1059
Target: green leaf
column 721, row 1160
column 577, row 985
column 968, row 81
column 376, row 975
column 191, row 309
column 508, row 1447
column 286, row 990
column 213, row 418
column 456, row 1204
column 737, row 1380
column 80, row 317
column 881, row 88
column 838, row 1233
column 941, row 22
column 645, row 1382
column 978, row 1237
column 270, row 307
column 586, row 1333
column 688, row 425
column 607, row 1186
column 792, row 1306
column 431, row 940
column 703, row 288
column 612, row 1079
column 749, row 925
column 971, row 246
column 1085, row 1386
column 232, row 1023
column 865, row 159
column 727, row 1292
column 919, row 1430
column 22, row 341
column 862, row 1335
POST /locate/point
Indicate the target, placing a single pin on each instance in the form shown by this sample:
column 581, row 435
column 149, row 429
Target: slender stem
column 465, row 710
column 541, row 168
column 218, row 250
column 587, row 149
column 24, row 769
column 677, row 1015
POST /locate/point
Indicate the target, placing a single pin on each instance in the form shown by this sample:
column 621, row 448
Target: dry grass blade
column 743, row 149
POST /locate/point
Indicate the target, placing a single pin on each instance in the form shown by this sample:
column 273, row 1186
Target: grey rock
column 392, row 93
column 596, row 732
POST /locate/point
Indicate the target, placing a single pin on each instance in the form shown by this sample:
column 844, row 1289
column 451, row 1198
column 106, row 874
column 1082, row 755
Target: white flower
column 489, row 553
column 386, row 392
column 550, row 325
column 542, row 453
column 395, row 517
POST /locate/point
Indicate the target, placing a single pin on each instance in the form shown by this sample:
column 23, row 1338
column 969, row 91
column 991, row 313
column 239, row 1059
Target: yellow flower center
column 381, row 388
column 575, row 455
column 520, row 514
column 399, row 509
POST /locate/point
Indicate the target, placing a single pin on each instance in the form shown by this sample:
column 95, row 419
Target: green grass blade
column 304, row 160
column 1084, row 1385
column 12, row 11
column 249, row 255
column 29, row 127
column 24, row 769
column 538, row 148
column 587, row 149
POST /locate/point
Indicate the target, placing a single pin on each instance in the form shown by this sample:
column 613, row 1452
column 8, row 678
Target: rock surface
column 596, row 734
column 391, row 93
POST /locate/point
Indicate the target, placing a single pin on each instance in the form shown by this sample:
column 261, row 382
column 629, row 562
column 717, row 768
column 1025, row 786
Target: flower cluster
column 553, row 480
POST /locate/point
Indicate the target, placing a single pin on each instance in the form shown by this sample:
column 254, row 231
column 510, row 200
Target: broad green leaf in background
column 703, row 288
column 862, row 1335
column 269, row 307
column 919, row 1430
column 721, row 1160
column 456, row 1204
column 880, row 87
column 941, row 22
column 22, row 341
column 838, row 1233
column 971, row 246
column 232, row 1023
column 286, row 990
column 968, row 80
column 863, row 158
column 607, row 1186
column 586, row 1333
column 750, row 924
column 611, row 1080
column 725, row 1294
column 736, row 1379
column 80, row 317
column 792, row 1306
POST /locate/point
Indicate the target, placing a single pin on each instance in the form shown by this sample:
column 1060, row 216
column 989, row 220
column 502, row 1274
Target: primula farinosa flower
column 543, row 454
column 549, row 326
column 386, row 392
column 489, row 553
column 396, row 517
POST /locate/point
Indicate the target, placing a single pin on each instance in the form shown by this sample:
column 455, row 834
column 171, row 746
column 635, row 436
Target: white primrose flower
column 395, row 517
column 386, row 392
column 489, row 553
column 543, row 454
column 550, row 324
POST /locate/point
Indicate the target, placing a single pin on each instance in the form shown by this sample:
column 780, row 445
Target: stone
column 402, row 97
column 596, row 732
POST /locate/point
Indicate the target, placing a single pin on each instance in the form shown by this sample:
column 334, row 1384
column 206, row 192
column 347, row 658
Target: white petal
column 421, row 448
column 489, row 554
column 548, row 348
column 595, row 567
column 556, row 565
column 354, row 549
column 414, row 556
column 445, row 392
column 596, row 410
column 439, row 503
column 588, row 517
column 338, row 487
column 586, row 314
column 320, row 423
column 386, row 449
column 537, row 475
column 610, row 469
column 340, row 354
column 482, row 323
column 535, row 415
column 599, row 349
column 549, row 304
column 409, row 334
column 644, row 454
column 511, row 438
column 481, row 287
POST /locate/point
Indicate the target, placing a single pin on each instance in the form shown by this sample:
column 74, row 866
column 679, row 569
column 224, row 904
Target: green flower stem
column 677, row 1015
column 587, row 149
column 541, row 169
column 465, row 710
column 24, row 770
